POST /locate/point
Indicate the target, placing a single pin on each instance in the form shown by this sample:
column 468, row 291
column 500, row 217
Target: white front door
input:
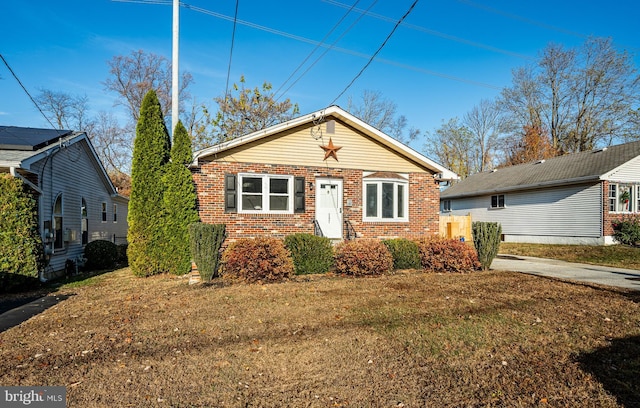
column 329, row 207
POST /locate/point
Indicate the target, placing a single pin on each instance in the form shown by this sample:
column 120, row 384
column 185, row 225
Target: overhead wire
column 314, row 50
column 434, row 32
column 377, row 52
column 233, row 37
column 15, row 76
column 329, row 48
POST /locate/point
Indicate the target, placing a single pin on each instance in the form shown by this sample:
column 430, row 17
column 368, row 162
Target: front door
column 329, row 207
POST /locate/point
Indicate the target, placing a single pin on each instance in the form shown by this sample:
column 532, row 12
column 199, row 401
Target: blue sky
column 444, row 58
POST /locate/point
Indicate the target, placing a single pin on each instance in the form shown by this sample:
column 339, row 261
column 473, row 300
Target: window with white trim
column 104, row 212
column 497, row 201
column 624, row 198
column 265, row 193
column 386, row 200
column 115, row 213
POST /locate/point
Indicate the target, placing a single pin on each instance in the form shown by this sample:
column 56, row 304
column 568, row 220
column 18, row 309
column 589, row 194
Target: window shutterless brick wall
column 424, row 201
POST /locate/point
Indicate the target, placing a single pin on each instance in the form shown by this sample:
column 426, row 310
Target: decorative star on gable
column 330, row 150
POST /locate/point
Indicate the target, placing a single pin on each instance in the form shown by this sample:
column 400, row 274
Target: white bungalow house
column 570, row 199
column 77, row 203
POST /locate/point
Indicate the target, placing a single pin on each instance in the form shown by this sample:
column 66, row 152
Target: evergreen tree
column 21, row 250
column 151, row 150
column 179, row 203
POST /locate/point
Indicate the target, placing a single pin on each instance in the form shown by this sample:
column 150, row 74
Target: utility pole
column 175, row 86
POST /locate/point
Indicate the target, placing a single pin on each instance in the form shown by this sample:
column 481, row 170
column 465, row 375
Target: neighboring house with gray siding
column 571, row 199
column 77, row 203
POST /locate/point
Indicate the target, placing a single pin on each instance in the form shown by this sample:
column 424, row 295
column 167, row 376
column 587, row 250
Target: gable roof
column 573, row 168
column 22, row 147
column 342, row 115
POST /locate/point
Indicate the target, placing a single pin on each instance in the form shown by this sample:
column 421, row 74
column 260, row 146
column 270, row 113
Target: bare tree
column 112, row 143
column 582, row 97
column 380, row 113
column 135, row 74
column 485, row 124
column 453, row 146
column 65, row 110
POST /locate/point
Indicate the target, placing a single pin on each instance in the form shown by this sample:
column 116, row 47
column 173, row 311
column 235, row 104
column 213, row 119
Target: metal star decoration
column 330, row 150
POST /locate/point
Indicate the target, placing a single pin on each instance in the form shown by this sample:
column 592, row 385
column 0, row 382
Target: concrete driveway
column 623, row 278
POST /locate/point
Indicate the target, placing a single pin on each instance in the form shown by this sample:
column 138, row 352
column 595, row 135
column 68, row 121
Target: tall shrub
column 486, row 239
column 206, row 241
column 310, row 253
column 21, row 250
column 179, row 204
column 146, row 207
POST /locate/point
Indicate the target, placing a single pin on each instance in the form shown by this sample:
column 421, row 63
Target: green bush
column 486, row 239
column 100, row 254
column 447, row 255
column 310, row 253
column 21, row 250
column 627, row 230
column 363, row 257
column 257, row 260
column 406, row 254
column 206, row 241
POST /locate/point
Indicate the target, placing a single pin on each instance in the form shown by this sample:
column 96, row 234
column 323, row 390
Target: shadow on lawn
column 617, row 367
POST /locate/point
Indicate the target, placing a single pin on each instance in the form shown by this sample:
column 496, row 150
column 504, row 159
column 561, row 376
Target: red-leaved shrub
column 447, row 255
column 257, row 260
column 363, row 257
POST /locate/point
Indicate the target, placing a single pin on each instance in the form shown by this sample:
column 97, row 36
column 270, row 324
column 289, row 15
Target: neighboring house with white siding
column 571, row 199
column 77, row 203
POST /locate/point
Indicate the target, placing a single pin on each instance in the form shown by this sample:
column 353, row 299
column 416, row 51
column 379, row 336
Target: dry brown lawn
column 412, row 339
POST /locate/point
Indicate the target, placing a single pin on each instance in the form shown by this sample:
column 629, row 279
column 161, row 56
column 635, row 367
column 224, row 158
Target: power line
column 233, row 37
column 309, row 41
column 330, row 47
column 27, row 92
column 313, row 51
column 376, row 53
column 434, row 32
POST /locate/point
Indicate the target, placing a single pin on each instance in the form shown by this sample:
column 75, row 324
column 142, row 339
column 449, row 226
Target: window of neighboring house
column 497, row 201
column 386, row 200
column 624, row 198
column 58, row 238
column 446, row 205
column 84, row 222
column 265, row 193
column 115, row 213
column 104, row 212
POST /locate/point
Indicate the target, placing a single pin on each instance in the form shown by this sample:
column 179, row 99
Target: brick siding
column 424, row 201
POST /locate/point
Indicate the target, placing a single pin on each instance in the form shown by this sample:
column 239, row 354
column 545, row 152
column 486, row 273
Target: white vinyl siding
column 75, row 176
column 570, row 211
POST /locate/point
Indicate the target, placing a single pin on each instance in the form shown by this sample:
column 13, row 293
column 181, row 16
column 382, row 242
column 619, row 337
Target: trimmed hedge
column 447, row 255
column 257, row 260
column 406, row 254
column 206, row 241
column 627, row 230
column 363, row 257
column 100, row 254
column 310, row 253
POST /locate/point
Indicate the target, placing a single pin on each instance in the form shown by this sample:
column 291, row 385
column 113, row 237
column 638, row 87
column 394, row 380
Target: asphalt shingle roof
column 566, row 169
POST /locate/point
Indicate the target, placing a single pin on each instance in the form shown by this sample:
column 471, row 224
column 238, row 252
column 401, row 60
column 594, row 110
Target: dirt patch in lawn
column 410, row 339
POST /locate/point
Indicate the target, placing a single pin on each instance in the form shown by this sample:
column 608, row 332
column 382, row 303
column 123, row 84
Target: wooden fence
column 456, row 226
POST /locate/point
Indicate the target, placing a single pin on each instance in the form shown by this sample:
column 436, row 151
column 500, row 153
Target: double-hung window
column 265, row 193
column 386, row 199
